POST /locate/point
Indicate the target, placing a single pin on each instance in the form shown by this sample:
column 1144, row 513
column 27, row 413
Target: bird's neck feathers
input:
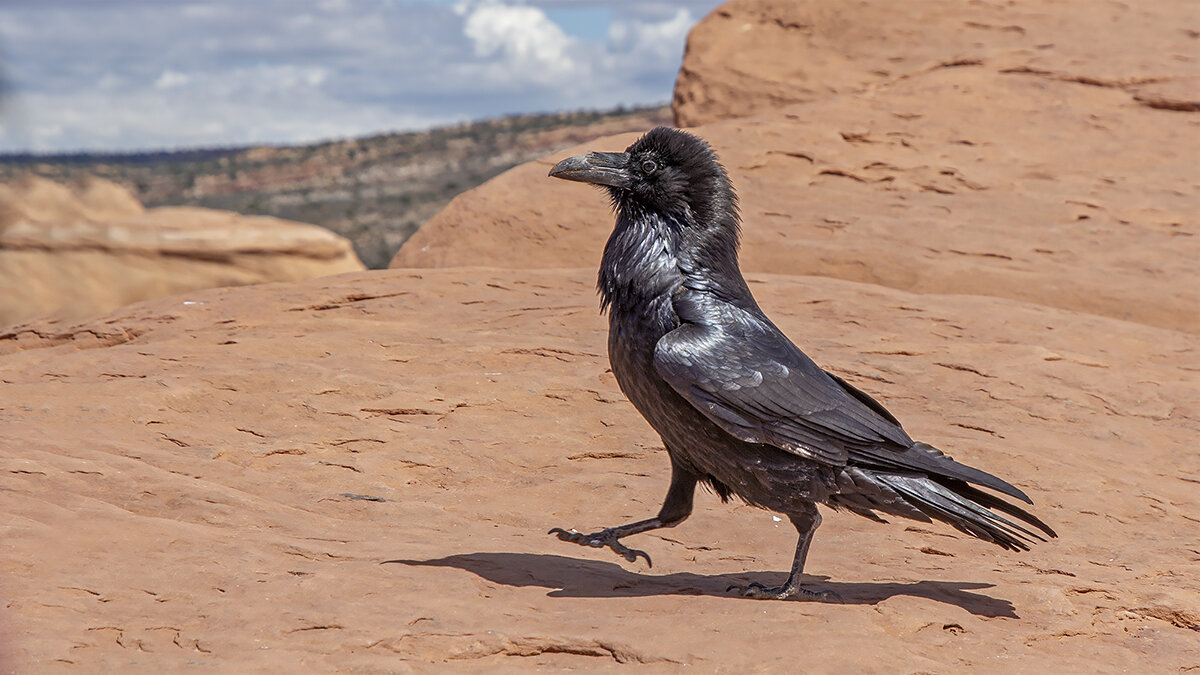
column 708, row 253
column 652, row 251
column 710, row 241
column 707, row 207
column 639, row 260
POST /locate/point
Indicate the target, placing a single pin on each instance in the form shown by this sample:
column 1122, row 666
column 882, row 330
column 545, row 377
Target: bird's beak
column 599, row 168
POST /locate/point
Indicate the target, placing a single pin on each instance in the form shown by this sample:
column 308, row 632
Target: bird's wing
column 750, row 380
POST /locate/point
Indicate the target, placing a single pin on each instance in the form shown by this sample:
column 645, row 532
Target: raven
column 739, row 407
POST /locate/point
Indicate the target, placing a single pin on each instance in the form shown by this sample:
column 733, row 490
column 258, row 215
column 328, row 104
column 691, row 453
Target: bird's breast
column 633, row 335
column 639, row 277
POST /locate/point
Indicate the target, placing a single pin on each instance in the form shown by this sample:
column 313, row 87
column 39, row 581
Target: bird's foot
column 601, row 539
column 760, row 592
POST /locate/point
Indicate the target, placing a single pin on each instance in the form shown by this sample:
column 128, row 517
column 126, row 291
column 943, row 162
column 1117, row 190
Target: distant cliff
column 375, row 191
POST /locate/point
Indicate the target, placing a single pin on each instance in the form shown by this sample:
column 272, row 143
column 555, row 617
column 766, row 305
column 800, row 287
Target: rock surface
column 84, row 252
column 958, row 178
column 356, row 473
column 754, row 55
column 306, row 475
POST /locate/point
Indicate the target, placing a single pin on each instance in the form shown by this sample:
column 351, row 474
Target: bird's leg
column 806, row 524
column 675, row 509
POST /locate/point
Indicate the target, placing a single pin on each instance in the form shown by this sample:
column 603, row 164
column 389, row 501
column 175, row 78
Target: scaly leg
column 675, row 509
column 806, row 524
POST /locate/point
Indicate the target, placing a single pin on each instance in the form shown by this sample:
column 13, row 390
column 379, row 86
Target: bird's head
column 667, row 171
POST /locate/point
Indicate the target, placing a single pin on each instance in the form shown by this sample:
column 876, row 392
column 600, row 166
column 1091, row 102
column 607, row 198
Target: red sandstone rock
column 356, row 473
column 980, row 179
column 84, row 252
column 219, row 479
column 755, row 55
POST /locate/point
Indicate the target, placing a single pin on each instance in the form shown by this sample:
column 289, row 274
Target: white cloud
column 141, row 74
column 523, row 35
column 651, row 39
column 169, row 79
column 519, row 48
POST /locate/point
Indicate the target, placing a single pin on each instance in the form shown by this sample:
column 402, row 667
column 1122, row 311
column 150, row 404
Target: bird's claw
column 760, row 592
column 602, row 539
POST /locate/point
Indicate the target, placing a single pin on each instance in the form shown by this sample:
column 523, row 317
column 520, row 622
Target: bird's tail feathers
column 964, row 507
column 933, row 462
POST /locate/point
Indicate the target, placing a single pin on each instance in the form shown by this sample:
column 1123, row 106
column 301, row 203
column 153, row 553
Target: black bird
column 738, row 406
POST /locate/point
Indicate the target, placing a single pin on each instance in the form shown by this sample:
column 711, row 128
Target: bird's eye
column 649, row 166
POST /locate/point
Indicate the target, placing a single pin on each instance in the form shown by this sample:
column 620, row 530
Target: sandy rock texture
column 357, row 473
column 84, row 251
column 307, row 476
column 966, row 175
column 752, row 55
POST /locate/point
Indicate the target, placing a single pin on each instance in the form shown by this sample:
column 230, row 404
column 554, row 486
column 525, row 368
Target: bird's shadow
column 580, row 578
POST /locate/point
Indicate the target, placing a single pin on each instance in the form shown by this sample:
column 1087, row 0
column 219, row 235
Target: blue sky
column 116, row 75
